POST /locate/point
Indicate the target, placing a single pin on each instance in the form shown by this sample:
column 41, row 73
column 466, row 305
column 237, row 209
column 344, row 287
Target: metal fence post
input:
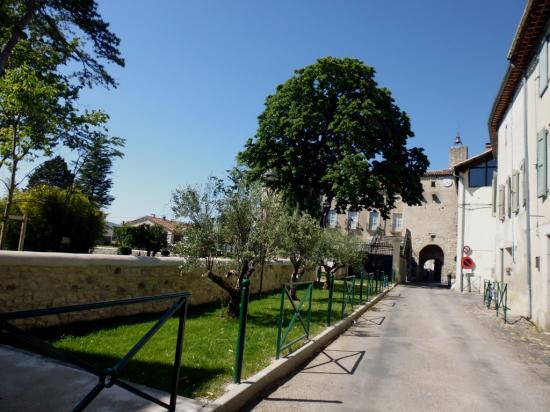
column 361, row 288
column 505, row 301
column 177, row 357
column 330, row 294
column 245, row 292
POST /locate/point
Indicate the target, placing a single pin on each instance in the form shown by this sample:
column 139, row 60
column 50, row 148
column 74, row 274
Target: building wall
column 32, row 280
column 526, row 116
column 476, row 226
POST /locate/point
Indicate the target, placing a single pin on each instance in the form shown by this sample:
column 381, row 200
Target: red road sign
column 467, row 262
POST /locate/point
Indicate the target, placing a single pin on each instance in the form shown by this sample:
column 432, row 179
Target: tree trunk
column 233, row 306
column 11, row 190
column 16, row 33
column 296, row 275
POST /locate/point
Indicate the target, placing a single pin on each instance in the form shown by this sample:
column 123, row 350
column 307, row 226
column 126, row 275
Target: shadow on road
column 352, row 359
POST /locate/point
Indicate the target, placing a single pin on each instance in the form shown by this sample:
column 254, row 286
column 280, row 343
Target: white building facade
column 476, row 221
column 519, row 124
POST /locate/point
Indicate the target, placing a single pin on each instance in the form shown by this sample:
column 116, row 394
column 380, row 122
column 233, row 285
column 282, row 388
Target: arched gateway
column 431, row 260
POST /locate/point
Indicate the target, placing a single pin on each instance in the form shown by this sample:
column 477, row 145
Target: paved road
column 418, row 350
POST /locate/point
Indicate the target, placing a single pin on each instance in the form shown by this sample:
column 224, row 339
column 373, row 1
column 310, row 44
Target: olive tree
column 336, row 250
column 232, row 230
column 300, row 237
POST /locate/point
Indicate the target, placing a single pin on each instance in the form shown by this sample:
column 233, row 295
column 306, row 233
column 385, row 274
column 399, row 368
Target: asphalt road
column 420, row 349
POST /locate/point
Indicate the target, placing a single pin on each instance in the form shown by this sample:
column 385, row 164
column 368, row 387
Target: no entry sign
column 467, row 262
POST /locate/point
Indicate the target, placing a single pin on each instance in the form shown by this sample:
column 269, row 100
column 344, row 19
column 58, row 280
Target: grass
column 209, row 344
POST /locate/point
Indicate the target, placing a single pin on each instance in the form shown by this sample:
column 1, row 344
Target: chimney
column 164, row 218
column 153, row 215
column 458, row 152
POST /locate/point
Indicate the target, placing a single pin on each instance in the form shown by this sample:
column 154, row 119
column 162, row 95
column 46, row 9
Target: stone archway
column 431, row 259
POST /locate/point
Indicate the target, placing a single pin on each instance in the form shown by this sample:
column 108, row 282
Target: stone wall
column 31, row 280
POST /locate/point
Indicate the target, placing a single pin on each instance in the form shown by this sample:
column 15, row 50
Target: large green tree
column 53, row 172
column 56, row 24
column 330, row 133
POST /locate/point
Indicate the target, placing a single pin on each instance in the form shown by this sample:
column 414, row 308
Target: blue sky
column 198, row 72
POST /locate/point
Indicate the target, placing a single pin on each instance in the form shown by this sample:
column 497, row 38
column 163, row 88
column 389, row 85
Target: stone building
column 432, row 224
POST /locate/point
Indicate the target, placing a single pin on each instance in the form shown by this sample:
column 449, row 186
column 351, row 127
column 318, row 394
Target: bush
column 124, row 250
column 55, row 217
column 165, row 252
column 150, row 238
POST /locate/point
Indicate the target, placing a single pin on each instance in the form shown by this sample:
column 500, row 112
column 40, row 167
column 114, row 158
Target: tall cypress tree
column 94, row 174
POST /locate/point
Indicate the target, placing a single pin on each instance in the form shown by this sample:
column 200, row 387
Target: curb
column 239, row 395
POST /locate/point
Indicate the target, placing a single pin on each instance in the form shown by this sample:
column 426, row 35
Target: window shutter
column 543, row 68
column 494, row 193
column 523, row 184
column 509, row 197
column 501, row 202
column 515, row 191
column 541, row 163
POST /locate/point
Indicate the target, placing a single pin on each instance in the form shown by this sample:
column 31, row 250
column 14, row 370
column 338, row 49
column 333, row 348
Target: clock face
column 447, row 182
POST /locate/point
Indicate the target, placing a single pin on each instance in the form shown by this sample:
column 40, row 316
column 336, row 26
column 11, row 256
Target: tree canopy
column 331, row 133
column 53, row 23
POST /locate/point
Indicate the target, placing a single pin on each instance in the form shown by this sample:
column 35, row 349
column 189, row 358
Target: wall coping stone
column 53, row 259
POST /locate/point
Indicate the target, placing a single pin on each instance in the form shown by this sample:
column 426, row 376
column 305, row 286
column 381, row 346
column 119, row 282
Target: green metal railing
column 348, row 293
column 496, row 292
column 241, row 334
column 108, row 377
column 297, row 315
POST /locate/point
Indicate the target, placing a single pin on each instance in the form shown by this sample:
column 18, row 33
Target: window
column 373, row 220
column 353, row 218
column 543, row 68
column 482, row 174
column 433, row 183
column 397, row 222
column 541, row 163
column 332, row 218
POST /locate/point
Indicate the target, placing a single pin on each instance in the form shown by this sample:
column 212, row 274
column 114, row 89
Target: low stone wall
column 32, row 280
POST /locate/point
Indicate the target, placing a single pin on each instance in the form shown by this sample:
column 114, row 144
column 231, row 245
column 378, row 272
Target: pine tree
column 53, row 172
column 94, row 174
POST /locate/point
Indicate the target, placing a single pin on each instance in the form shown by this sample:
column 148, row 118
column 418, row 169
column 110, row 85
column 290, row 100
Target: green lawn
column 209, row 345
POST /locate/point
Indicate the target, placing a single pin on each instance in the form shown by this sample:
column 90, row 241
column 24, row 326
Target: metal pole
column 361, row 288
column 177, row 357
column 245, row 292
column 280, row 325
column 330, row 293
